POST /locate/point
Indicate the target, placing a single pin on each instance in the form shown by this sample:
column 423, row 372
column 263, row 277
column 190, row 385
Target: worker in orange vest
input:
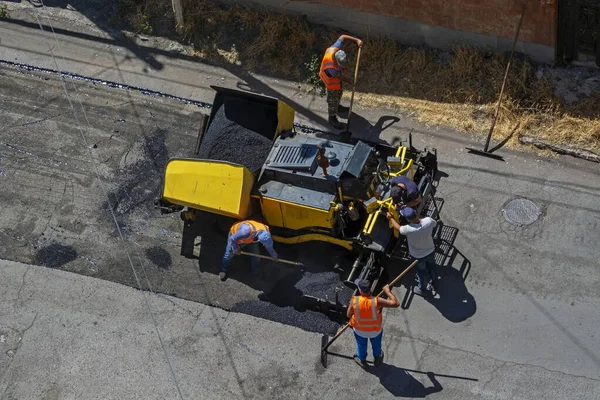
column 365, row 313
column 332, row 66
column 247, row 233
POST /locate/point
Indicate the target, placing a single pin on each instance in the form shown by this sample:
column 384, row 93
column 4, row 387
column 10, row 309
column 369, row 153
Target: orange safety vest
column 254, row 227
column 367, row 316
column 335, row 82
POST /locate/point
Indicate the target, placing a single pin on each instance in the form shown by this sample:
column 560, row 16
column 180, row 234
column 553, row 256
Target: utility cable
column 103, row 187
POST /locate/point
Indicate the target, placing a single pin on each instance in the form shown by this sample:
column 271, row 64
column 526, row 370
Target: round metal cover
column 521, row 212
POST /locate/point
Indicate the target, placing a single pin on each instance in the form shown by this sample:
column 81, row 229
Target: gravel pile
column 235, row 137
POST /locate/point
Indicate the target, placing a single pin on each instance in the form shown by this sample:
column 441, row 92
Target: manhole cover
column 521, row 212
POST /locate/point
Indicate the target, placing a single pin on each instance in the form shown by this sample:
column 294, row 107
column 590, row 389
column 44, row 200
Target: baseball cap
column 340, row 57
column 409, row 213
column 396, row 194
column 363, row 285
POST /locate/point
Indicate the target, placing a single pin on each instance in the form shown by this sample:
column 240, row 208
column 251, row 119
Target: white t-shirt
column 419, row 237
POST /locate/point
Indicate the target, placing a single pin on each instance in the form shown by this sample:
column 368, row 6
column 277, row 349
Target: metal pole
column 178, row 11
column 489, row 137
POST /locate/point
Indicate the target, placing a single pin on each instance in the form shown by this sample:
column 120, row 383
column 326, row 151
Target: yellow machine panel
column 214, row 186
column 285, row 117
column 295, row 216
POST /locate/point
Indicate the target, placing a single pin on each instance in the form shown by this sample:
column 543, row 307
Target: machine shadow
column 399, row 382
column 362, row 129
column 453, row 301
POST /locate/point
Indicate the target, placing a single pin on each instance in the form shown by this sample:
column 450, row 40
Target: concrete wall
column 438, row 23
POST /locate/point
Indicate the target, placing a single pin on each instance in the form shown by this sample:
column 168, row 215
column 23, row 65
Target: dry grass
column 457, row 89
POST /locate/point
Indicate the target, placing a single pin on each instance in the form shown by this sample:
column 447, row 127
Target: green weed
column 3, row 11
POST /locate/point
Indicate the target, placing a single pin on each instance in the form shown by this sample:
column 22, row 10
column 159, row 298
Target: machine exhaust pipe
column 350, row 280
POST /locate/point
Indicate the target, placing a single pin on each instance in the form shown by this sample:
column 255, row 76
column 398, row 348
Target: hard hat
column 340, row 57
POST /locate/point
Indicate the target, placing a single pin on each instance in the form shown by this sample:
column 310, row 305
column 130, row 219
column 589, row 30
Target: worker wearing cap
column 333, row 64
column 404, row 192
column 365, row 313
column 419, row 235
column 247, row 233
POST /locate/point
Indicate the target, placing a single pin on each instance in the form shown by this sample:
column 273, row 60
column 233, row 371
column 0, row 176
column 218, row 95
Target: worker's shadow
column 453, row 299
column 401, row 383
column 362, row 129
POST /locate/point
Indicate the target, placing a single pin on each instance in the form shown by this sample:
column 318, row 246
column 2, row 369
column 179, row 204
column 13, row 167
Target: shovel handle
column 354, row 84
column 270, row 258
column 392, row 283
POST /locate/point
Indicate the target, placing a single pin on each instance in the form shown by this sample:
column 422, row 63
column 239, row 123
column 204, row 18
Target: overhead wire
column 105, row 192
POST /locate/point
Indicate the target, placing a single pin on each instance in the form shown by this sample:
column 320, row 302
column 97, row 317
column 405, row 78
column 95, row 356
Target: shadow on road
column 399, row 382
column 362, row 129
column 453, row 299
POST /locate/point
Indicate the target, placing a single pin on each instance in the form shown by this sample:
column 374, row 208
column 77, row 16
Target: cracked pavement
column 523, row 325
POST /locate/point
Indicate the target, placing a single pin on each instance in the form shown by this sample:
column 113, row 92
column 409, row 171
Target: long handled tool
column 353, row 90
column 270, row 258
column 485, row 152
column 324, row 339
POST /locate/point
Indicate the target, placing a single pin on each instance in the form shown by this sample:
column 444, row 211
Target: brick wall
column 488, row 17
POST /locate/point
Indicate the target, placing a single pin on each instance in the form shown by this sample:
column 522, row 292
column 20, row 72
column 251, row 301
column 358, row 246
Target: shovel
column 353, row 90
column 325, row 342
column 270, row 258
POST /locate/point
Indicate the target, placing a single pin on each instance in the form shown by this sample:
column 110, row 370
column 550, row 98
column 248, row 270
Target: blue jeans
column 362, row 345
column 426, row 272
column 252, row 248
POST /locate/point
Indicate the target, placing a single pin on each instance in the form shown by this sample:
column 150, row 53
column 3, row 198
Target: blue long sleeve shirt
column 261, row 236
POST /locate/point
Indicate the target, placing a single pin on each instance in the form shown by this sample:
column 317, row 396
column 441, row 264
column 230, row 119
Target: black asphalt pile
column 55, row 255
column 308, row 320
column 234, row 137
column 284, row 302
column 324, row 285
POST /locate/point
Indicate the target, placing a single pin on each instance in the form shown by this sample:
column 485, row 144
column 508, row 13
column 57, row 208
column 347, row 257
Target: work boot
column 420, row 292
column 343, row 111
column 223, row 275
column 362, row 363
column 431, row 289
column 379, row 359
column 336, row 123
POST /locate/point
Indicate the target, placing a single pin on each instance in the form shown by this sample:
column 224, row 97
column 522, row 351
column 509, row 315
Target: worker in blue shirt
column 332, row 65
column 405, row 192
column 247, row 233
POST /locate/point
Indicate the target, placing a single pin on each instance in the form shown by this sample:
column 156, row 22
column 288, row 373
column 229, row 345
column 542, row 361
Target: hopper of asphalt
column 233, row 136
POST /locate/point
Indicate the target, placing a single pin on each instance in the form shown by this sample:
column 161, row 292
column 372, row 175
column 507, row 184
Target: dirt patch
column 457, row 89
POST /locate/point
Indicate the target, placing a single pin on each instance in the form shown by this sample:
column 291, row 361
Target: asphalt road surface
column 517, row 314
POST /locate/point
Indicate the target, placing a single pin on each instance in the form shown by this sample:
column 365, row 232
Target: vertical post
column 178, row 11
column 353, row 90
column 487, row 142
